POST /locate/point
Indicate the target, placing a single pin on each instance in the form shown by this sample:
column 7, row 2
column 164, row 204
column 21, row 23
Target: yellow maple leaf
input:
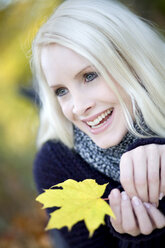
column 78, row 201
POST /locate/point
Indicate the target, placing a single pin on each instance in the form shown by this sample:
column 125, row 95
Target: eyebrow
column 80, row 72
column 77, row 75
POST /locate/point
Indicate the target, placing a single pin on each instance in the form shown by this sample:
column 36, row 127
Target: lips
column 99, row 119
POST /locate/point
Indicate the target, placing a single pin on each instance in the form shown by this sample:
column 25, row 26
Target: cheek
column 108, row 95
column 128, row 103
column 67, row 111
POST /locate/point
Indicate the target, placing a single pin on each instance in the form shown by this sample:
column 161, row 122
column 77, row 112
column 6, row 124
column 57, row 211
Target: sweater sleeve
column 142, row 142
column 157, row 237
column 55, row 163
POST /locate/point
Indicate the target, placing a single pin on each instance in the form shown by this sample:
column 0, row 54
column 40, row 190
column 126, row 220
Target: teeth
column 103, row 116
column 98, row 125
column 99, row 119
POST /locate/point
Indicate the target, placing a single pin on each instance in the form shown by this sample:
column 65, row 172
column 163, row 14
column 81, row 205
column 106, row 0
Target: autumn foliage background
column 22, row 221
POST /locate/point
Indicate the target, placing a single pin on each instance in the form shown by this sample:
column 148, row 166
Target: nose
column 82, row 104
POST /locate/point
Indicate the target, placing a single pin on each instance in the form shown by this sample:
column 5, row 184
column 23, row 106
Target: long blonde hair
column 116, row 42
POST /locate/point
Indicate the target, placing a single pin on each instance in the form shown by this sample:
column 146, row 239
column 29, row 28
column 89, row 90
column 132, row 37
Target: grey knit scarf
column 104, row 160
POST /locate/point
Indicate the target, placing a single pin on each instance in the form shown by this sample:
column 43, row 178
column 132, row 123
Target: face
column 85, row 98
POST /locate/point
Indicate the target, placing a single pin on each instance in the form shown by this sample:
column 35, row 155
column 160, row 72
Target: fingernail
column 161, row 196
column 136, row 200
column 115, row 193
column 124, row 196
column 154, row 204
column 147, row 204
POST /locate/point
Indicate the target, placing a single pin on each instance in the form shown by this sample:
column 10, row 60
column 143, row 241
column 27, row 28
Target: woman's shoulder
column 53, row 151
column 49, row 147
column 50, row 164
column 55, row 163
column 54, row 155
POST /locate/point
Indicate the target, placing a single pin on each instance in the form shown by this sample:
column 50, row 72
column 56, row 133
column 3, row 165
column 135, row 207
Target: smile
column 100, row 120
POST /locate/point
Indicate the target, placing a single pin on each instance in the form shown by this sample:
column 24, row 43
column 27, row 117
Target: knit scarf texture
column 107, row 160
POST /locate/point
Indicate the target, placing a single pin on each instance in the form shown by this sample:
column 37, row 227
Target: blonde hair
column 116, row 42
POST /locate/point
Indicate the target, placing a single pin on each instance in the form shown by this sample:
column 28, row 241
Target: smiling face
column 85, row 98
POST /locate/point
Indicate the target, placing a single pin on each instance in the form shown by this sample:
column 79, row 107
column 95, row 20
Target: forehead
column 61, row 64
column 56, row 55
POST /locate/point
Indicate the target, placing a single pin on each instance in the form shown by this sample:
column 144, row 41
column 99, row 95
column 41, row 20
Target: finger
column 143, row 219
column 140, row 173
column 115, row 203
column 126, row 174
column 162, row 174
column 157, row 217
column 128, row 218
column 153, row 165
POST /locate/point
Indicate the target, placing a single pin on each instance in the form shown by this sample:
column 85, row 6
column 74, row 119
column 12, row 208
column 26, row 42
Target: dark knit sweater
column 55, row 163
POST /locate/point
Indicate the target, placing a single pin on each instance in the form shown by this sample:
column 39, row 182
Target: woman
column 101, row 77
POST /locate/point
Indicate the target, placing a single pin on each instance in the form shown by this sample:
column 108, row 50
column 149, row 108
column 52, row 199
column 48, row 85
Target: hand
column 142, row 172
column 132, row 216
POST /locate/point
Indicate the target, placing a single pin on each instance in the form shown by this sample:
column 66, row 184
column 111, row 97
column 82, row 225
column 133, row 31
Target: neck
column 105, row 160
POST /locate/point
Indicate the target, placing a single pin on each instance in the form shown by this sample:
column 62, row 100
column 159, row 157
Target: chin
column 104, row 144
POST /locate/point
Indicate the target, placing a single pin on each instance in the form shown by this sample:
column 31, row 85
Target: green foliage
column 160, row 5
column 18, row 26
column 19, row 23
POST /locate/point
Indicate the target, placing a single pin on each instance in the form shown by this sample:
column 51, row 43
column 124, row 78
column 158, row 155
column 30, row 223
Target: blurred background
column 22, row 221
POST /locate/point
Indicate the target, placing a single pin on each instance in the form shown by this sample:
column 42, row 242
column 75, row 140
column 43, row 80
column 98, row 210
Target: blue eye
column 90, row 76
column 61, row 91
